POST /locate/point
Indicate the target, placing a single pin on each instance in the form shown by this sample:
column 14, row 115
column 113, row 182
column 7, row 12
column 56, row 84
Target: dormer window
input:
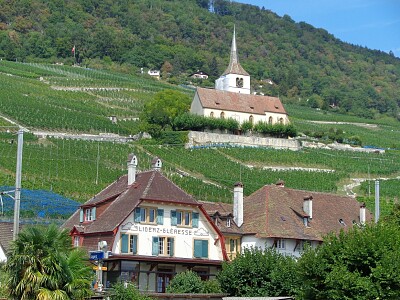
column 87, row 214
column 228, row 222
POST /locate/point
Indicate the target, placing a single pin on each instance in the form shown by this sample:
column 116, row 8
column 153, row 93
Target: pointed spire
column 234, row 65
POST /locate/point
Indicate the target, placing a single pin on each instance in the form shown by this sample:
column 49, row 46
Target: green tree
column 259, row 273
column 186, row 282
column 190, row 282
column 362, row 263
column 161, row 111
column 43, row 265
column 126, row 291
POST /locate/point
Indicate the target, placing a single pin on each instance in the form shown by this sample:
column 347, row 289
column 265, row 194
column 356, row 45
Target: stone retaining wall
column 197, row 138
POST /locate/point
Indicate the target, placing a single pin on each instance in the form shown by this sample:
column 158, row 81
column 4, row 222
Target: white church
column 232, row 97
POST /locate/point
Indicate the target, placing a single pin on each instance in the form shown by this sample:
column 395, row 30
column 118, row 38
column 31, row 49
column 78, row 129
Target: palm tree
column 43, row 265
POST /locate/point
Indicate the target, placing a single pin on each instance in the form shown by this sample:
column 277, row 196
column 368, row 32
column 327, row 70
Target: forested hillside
column 307, row 65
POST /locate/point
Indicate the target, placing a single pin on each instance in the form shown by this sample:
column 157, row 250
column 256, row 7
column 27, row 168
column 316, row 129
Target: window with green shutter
column 146, row 215
column 129, row 243
column 201, row 248
column 163, row 246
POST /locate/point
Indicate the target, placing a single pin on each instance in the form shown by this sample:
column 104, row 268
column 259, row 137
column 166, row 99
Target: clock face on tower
column 239, row 82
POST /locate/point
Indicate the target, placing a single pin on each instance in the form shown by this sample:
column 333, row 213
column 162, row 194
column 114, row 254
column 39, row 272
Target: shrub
column 259, row 273
column 126, row 291
column 246, row 126
column 186, row 282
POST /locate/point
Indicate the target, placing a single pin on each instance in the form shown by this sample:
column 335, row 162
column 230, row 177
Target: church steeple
column 234, row 65
column 235, row 79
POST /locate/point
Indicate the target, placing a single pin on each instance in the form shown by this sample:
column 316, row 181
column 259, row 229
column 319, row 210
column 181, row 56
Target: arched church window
column 281, row 121
column 239, row 82
column 212, row 114
column 251, row 119
column 270, row 120
column 222, row 115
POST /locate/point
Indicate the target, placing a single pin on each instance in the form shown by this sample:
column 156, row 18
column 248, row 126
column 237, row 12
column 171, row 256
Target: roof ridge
column 146, row 190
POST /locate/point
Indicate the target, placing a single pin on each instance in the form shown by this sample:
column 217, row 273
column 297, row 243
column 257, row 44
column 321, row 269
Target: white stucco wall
column 183, row 236
column 289, row 249
column 242, row 116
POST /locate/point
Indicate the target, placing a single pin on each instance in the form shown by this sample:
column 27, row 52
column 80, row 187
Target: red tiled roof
column 247, row 103
column 275, row 211
column 219, row 212
column 150, row 185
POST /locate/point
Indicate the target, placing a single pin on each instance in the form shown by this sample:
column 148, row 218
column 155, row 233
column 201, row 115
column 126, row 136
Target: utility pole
column 377, row 208
column 18, row 184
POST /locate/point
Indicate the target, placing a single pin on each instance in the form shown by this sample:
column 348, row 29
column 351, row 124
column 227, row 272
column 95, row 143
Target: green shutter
column 81, row 216
column 171, row 252
column 155, row 246
column 160, row 216
column 195, row 220
column 197, row 248
column 124, row 243
column 204, row 249
column 137, row 215
column 201, row 248
column 134, row 244
column 173, row 218
column 94, row 213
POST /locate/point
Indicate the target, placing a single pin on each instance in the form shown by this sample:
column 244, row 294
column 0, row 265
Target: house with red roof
column 232, row 97
column 283, row 218
column 149, row 230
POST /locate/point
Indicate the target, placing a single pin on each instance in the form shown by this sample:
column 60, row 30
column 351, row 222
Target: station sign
column 96, row 255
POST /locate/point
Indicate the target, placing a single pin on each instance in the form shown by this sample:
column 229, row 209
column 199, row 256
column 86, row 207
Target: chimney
column 238, row 203
column 362, row 214
column 307, row 206
column 132, row 164
column 156, row 164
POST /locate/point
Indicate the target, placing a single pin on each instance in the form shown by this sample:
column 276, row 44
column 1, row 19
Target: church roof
column 234, row 66
column 247, row 103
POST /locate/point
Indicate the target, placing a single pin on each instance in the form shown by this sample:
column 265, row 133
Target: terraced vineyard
column 63, row 98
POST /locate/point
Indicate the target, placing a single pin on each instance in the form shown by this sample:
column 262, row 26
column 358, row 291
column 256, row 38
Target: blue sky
column 371, row 23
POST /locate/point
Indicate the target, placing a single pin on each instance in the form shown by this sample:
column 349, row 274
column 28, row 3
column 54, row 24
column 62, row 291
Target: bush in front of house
column 259, row 273
column 126, row 291
column 189, row 282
